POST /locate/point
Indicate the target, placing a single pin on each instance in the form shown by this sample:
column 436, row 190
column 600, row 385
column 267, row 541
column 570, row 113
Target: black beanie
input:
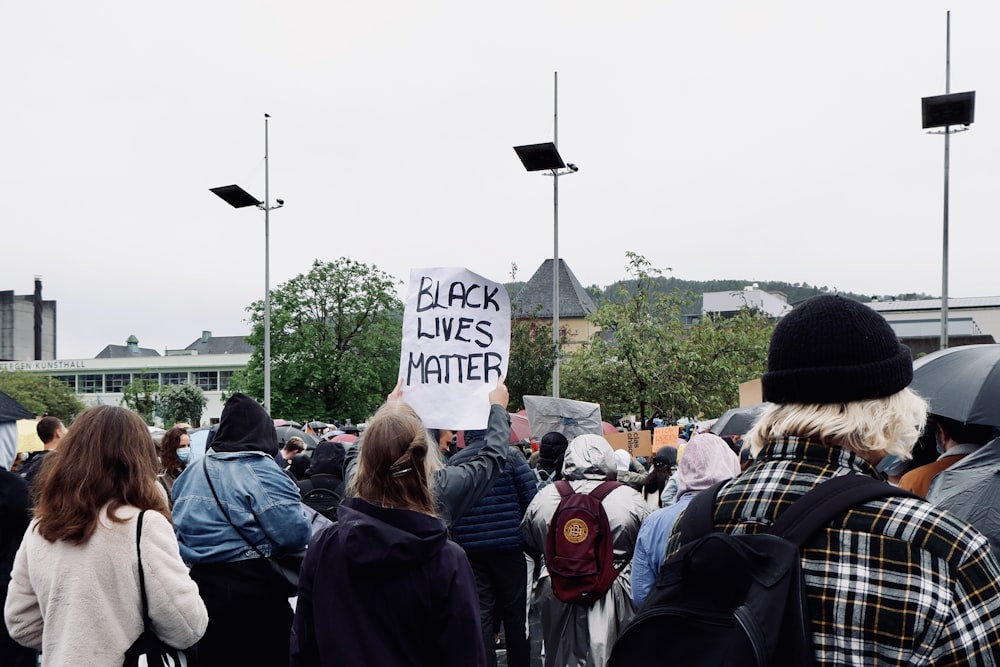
column 831, row 349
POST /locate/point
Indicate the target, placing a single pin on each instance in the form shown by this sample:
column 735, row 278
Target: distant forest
column 794, row 292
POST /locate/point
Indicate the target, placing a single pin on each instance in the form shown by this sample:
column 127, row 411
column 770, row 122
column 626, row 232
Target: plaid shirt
column 894, row 582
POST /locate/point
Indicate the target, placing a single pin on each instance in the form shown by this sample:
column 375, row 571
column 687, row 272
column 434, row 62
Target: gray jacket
column 970, row 489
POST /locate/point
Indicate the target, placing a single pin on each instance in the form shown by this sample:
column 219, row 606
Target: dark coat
column 494, row 523
column 386, row 587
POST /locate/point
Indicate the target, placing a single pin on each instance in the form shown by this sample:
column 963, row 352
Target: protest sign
column 456, row 345
column 665, row 436
column 636, row 443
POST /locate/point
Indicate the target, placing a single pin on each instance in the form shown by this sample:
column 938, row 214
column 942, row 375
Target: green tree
column 41, row 394
column 645, row 357
column 336, row 334
column 181, row 403
column 532, row 357
column 640, row 328
column 140, row 396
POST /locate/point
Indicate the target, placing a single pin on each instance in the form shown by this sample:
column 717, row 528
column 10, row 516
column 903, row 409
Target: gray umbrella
column 962, row 383
column 737, row 421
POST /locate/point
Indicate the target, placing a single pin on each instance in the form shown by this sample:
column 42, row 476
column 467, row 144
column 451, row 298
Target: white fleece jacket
column 81, row 604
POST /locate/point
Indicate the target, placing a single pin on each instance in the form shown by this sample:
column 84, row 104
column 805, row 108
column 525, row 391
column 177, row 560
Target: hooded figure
column 577, row 634
column 707, row 460
column 234, row 497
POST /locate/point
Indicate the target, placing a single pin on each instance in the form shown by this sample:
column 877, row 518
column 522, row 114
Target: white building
column 727, row 304
column 208, row 363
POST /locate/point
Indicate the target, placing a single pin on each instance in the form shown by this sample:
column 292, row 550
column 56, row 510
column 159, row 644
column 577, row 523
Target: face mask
column 183, row 454
column 891, row 465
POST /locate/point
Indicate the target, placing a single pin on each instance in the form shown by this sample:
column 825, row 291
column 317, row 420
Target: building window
column 174, row 378
column 207, row 380
column 224, row 378
column 68, row 380
column 114, row 383
column 90, row 384
column 155, row 377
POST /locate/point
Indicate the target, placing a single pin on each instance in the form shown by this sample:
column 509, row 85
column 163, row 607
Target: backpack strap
column 602, row 490
column 564, row 488
column 828, row 500
column 698, row 518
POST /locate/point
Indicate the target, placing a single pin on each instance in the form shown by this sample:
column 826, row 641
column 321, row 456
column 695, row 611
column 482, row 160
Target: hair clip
column 402, row 467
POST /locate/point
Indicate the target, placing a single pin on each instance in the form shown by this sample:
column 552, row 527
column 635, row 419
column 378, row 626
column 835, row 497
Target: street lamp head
column 281, row 202
column 235, row 196
column 572, row 167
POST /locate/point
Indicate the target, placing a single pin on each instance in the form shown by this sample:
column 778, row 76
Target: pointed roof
column 574, row 301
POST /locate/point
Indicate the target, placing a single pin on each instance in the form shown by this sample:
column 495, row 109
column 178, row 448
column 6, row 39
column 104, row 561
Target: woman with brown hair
column 384, row 585
column 74, row 589
column 175, row 449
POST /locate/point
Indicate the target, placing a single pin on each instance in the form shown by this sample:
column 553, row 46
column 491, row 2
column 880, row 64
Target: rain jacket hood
column 379, row 537
column 245, row 427
column 589, row 456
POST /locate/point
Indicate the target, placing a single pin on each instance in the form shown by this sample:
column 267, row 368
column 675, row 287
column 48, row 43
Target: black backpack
column 727, row 600
column 324, row 500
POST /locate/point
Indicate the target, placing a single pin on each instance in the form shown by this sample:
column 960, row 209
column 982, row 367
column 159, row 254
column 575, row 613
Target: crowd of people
column 407, row 549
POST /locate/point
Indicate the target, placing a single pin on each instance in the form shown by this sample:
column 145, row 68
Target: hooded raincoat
column 386, row 587
column 969, row 489
column 575, row 634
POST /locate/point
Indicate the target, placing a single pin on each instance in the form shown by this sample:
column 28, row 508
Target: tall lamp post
column 237, row 197
column 947, row 111
column 545, row 157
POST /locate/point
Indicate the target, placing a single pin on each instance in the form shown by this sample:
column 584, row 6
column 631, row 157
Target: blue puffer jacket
column 494, row 523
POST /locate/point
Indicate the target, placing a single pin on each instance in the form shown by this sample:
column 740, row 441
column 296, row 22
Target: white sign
column 456, row 344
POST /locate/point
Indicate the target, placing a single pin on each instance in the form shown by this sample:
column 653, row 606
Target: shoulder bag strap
column 142, row 576
column 223, row 508
column 828, row 500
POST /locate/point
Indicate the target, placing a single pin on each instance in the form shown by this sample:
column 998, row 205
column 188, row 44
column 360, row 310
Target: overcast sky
column 732, row 140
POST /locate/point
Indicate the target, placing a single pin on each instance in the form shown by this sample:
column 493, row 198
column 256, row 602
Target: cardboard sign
column 456, row 345
column 665, row 436
column 751, row 393
column 636, row 443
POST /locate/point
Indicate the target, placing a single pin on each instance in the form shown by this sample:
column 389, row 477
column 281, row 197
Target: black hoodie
column 245, row 427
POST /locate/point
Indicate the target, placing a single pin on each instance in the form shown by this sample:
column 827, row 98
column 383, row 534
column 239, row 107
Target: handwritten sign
column 664, row 436
column 636, row 443
column 456, row 345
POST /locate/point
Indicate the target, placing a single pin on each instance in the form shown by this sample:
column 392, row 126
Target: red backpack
column 579, row 549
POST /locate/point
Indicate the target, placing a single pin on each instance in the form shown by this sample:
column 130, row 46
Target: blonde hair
column 395, row 464
column 889, row 425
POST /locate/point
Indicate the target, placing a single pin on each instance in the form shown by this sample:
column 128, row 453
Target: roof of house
column 535, row 298
column 125, row 351
column 221, row 345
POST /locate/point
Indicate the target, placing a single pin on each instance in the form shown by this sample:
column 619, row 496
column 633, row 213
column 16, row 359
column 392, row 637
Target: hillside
column 795, row 292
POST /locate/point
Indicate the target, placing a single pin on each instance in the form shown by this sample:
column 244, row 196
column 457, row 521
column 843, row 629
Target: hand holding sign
column 456, row 343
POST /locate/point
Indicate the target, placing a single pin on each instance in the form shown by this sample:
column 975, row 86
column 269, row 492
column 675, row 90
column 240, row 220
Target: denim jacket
column 259, row 498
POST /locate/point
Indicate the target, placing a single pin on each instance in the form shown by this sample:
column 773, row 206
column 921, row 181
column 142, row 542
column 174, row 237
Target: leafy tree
column 41, row 394
column 140, row 396
column 181, row 403
column 532, row 357
column 640, row 329
column 646, row 357
column 336, row 334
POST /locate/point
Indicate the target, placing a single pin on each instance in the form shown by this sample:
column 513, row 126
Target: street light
column 545, row 157
column 947, row 111
column 237, row 197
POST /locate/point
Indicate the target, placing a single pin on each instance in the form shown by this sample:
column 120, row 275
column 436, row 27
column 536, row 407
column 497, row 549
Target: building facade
column 27, row 326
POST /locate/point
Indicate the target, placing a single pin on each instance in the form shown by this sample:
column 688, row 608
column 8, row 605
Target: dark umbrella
column 961, row 383
column 737, row 421
column 286, row 432
column 316, row 426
